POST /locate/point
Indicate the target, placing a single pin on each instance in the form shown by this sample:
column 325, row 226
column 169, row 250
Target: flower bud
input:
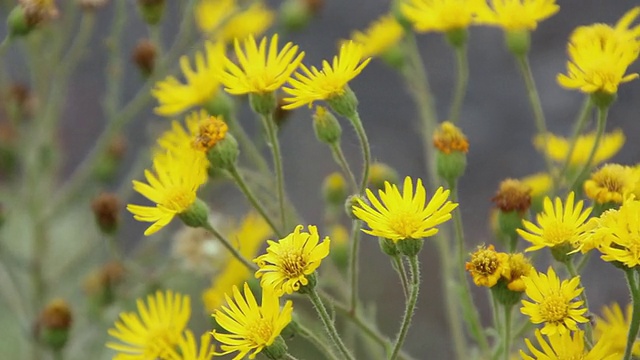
column 263, row 104
column 452, row 145
column 220, row 105
column 295, row 14
column 197, row 215
column 326, row 126
column 379, row 173
column 144, row 56
column 224, row 154
column 513, row 199
column 339, row 246
column 54, row 324
column 388, row 247
column 334, row 189
column 151, row 10
column 106, row 209
column 351, row 201
column 17, row 22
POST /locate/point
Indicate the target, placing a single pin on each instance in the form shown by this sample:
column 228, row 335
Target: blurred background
column 496, row 118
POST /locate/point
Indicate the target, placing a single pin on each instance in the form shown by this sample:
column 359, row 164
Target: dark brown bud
column 513, row 195
column 106, row 208
column 144, row 56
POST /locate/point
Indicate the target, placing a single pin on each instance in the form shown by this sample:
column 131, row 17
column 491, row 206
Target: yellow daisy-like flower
column 202, row 84
column 382, row 35
column 260, row 70
column 600, row 55
column 565, row 346
column 516, row 15
column 156, row 327
column 441, row 15
column 224, row 21
column 173, row 188
column 554, row 303
column 330, row 82
column 288, row 262
column 518, row 267
column 611, row 183
column 617, row 234
column 540, row 184
column 487, row 266
column 557, row 148
column 408, row 215
column 189, row 350
column 557, row 225
column 612, row 328
column 249, row 237
column 251, row 327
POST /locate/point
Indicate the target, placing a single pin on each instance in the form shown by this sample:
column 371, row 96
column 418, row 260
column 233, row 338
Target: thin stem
column 581, row 121
column 290, row 357
column 328, row 324
column 247, row 145
column 227, row 244
column 253, row 200
column 536, row 105
column 316, row 341
column 462, row 72
column 602, row 122
column 4, row 46
column 274, row 145
column 356, row 225
column 366, row 149
column 634, row 289
column 507, row 331
column 398, row 266
column 583, row 262
column 470, row 311
column 410, row 306
column 338, row 156
column 583, row 296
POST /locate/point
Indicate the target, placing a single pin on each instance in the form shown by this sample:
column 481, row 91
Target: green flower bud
column 334, row 189
column 151, row 10
column 518, row 41
column 388, row 247
column 451, row 166
column 295, row 14
column 263, row 104
column 326, row 126
column 220, row 105
column 17, row 23
column 106, row 210
column 54, row 324
column 346, row 104
column 350, row 203
column 224, row 153
column 379, row 173
column 197, row 215
column 451, row 158
column 410, row 247
column 394, row 57
column 277, row 350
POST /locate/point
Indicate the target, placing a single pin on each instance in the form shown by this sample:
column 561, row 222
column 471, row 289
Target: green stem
column 581, row 121
column 356, row 225
column 227, row 244
column 247, row 145
column 316, row 341
column 462, row 71
column 507, row 331
column 366, row 149
column 398, row 266
column 583, row 262
column 634, row 289
column 536, row 105
column 328, row 324
column 410, row 306
column 254, row 200
column 470, row 311
column 602, row 123
column 274, row 145
column 290, row 357
column 338, row 156
column 583, row 296
column 4, row 46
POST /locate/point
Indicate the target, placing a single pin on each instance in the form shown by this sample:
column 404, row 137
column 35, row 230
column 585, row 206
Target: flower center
column 178, row 199
column 485, row 263
column 260, row 332
column 293, row 264
column 558, row 233
column 405, row 223
column 554, row 309
column 211, row 131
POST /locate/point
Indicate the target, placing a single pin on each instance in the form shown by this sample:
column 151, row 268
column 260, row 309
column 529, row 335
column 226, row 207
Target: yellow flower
column 248, row 237
column 330, row 82
column 518, row 267
column 611, row 183
column 157, row 327
column 600, row 54
column 441, row 15
column 201, row 85
column 540, row 184
column 558, row 147
column 407, row 215
column 260, row 70
column 211, row 131
column 288, row 262
column 564, row 346
column 516, row 15
column 188, row 349
column 382, row 35
column 617, row 234
column 223, row 19
column 612, row 328
column 251, row 327
column 487, row 266
column 173, row 188
column 557, row 225
column 554, row 303
column 448, row 138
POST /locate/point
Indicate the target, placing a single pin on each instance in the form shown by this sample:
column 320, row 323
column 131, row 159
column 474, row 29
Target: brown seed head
column 106, row 208
column 144, row 56
column 513, row 195
column 56, row 315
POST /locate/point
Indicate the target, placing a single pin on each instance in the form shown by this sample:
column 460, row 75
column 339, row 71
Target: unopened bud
column 379, row 173
column 106, row 209
column 151, row 10
column 352, row 201
column 54, row 324
column 334, row 189
column 326, row 126
column 388, row 247
column 452, row 145
column 144, row 56
column 224, row 154
column 295, row 14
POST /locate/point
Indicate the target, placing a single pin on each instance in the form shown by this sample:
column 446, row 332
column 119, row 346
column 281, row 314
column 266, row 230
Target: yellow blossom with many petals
column 612, row 183
column 290, row 261
column 407, row 215
column 612, row 328
column 557, row 148
column 516, row 15
column 189, row 350
column 617, row 234
column 561, row 346
column 251, row 327
column 441, row 15
column 487, row 266
column 226, row 20
column 157, row 326
column 332, row 81
column 553, row 302
column 382, row 35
